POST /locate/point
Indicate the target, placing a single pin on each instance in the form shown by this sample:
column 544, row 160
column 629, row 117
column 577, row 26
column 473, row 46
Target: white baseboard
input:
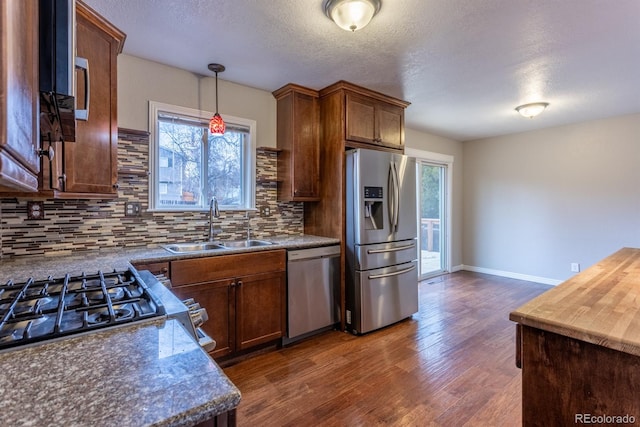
column 457, row 268
column 509, row 274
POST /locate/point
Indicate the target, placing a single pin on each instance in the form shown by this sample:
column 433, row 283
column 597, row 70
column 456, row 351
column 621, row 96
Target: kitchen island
column 150, row 373
column 579, row 347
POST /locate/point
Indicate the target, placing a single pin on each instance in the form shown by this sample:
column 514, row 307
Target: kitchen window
column 189, row 166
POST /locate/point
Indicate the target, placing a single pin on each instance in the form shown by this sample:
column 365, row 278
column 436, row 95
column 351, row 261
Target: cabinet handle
column 239, row 282
column 164, row 270
column 233, row 284
column 83, row 64
column 48, row 153
column 116, row 186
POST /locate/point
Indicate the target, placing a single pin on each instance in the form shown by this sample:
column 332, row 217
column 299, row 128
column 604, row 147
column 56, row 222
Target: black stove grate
column 40, row 310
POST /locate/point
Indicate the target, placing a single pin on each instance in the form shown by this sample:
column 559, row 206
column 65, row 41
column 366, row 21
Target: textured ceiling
column 463, row 64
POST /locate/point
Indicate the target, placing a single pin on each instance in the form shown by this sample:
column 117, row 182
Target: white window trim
column 250, row 162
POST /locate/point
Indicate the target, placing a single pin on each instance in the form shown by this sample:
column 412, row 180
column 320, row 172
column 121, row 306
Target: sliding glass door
column 432, row 190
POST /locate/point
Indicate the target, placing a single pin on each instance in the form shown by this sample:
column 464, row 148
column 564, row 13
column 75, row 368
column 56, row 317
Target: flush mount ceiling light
column 351, row 15
column 531, row 110
column 216, row 124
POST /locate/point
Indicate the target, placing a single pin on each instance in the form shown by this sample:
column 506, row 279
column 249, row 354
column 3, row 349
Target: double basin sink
column 183, row 248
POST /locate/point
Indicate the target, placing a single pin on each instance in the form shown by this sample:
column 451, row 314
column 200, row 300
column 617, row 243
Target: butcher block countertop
column 600, row 306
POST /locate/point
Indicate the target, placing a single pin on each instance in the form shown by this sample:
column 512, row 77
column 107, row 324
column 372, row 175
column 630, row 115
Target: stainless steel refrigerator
column 382, row 252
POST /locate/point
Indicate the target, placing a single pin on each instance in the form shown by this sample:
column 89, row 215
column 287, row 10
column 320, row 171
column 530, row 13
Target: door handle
column 395, row 273
column 396, row 249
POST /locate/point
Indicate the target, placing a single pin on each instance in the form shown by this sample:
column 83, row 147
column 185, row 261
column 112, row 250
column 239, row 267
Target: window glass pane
column 179, row 174
column 189, row 167
column 225, row 172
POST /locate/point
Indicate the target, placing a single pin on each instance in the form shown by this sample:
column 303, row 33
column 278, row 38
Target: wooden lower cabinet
column 260, row 309
column 566, row 381
column 244, row 295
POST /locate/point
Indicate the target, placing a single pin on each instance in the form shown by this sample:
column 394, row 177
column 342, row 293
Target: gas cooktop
column 38, row 310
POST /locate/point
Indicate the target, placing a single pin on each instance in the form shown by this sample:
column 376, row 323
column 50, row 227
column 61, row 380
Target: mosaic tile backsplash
column 80, row 225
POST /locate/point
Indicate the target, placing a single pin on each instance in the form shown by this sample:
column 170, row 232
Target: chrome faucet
column 214, row 212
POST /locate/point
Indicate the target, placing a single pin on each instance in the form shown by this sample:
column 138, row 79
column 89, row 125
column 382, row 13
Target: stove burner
column 40, row 310
column 104, row 316
column 17, row 331
column 114, row 293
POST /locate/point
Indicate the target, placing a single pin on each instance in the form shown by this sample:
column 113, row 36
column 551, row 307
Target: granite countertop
column 22, row 268
column 601, row 305
column 148, row 373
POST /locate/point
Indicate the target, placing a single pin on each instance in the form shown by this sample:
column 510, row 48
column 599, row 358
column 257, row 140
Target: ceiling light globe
column 351, row 15
column 531, row 110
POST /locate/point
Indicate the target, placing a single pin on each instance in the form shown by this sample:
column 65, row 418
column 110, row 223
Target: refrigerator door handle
column 397, row 197
column 396, row 249
column 394, row 191
column 391, row 193
column 395, row 273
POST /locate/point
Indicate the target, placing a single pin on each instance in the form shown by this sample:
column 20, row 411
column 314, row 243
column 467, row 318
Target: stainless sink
column 181, row 248
column 245, row 243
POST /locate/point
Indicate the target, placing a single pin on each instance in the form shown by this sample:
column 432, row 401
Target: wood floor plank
column 452, row 363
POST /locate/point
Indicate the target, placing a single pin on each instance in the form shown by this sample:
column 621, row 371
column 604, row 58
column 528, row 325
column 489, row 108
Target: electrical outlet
column 575, row 267
column 35, row 210
column 132, row 209
column 265, row 211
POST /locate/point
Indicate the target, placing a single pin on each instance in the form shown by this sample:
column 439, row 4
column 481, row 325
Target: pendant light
column 351, row 15
column 216, row 124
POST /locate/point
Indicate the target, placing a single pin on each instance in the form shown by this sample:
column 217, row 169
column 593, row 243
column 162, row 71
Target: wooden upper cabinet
column 91, row 162
column 370, row 118
column 19, row 103
column 298, row 141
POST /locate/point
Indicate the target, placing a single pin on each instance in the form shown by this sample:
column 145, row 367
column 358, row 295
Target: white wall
column 141, row 81
column 535, row 202
column 436, row 144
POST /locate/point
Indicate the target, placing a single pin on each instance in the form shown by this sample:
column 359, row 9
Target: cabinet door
column 298, row 117
column 360, row 119
column 390, row 125
column 91, row 162
column 305, row 156
column 260, row 309
column 217, row 298
column 19, row 106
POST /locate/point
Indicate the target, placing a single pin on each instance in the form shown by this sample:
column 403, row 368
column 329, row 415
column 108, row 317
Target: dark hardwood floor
column 451, row 364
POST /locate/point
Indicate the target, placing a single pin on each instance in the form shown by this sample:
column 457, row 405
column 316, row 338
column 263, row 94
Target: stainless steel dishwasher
column 313, row 297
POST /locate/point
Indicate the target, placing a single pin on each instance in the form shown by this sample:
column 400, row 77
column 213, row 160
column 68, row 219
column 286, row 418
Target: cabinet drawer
column 153, row 267
column 198, row 270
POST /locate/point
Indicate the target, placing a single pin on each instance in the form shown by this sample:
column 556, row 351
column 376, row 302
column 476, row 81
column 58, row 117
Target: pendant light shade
column 351, row 15
column 216, row 124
